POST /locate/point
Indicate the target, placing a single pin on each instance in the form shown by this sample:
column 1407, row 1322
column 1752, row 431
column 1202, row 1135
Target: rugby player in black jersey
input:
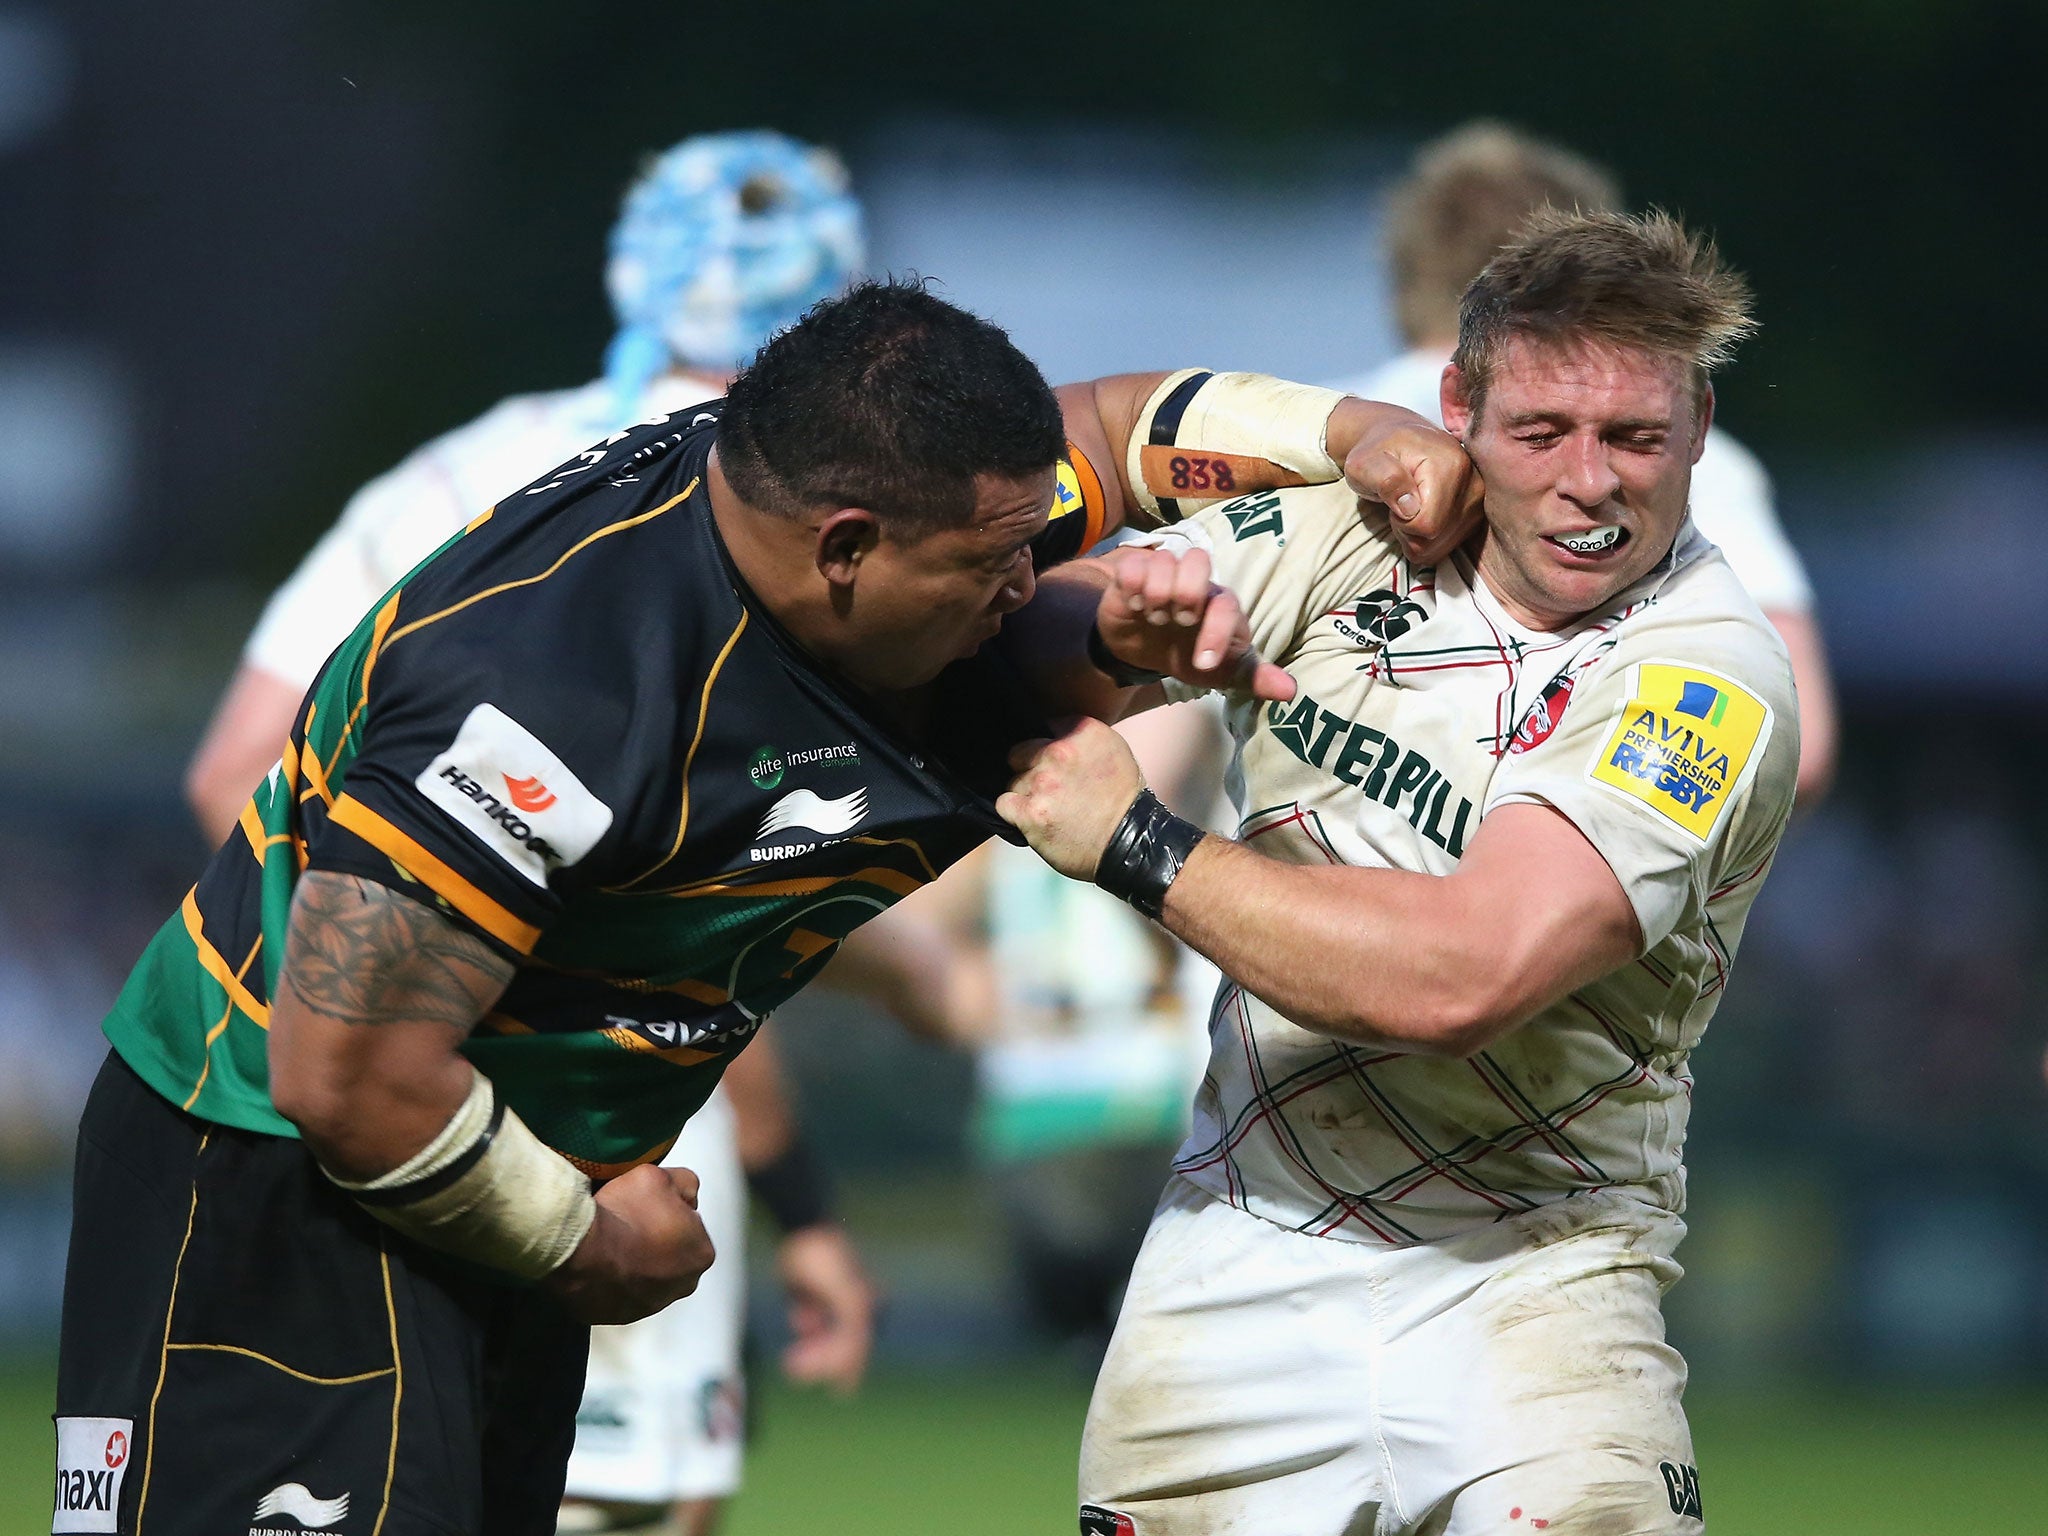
column 590, row 792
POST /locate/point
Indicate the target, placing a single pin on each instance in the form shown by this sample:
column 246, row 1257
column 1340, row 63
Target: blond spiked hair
column 1640, row 282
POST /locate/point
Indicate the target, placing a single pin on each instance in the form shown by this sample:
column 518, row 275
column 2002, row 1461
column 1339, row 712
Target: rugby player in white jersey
column 1462, row 201
column 724, row 239
column 1496, row 858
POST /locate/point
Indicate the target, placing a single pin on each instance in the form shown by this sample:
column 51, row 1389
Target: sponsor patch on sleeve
column 500, row 783
column 92, row 1461
column 1683, row 743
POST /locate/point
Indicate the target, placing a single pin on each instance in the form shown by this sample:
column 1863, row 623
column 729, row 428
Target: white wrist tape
column 1209, row 436
column 487, row 1190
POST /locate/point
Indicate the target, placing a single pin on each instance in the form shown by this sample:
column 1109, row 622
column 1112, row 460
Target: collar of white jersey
column 1464, row 617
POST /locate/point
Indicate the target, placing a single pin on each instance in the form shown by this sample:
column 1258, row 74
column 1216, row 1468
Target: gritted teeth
column 1592, row 541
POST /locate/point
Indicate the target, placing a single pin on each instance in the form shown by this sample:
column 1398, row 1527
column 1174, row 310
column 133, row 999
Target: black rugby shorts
column 244, row 1350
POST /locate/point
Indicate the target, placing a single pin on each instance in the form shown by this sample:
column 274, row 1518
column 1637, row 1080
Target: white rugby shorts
column 1511, row 1379
column 664, row 1405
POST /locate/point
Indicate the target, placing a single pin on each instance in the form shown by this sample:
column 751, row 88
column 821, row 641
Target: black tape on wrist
column 1145, row 854
column 1118, row 671
column 795, row 1190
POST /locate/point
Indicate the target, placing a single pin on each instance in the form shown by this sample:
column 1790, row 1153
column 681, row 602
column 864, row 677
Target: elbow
column 311, row 1100
column 1463, row 1027
column 1449, row 1021
column 206, row 793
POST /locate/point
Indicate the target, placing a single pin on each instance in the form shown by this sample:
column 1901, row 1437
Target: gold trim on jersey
column 385, row 616
column 216, row 966
column 612, row 1170
column 677, row 1055
column 875, row 874
column 690, row 757
column 318, row 1381
column 563, row 559
column 220, row 1028
column 430, row 871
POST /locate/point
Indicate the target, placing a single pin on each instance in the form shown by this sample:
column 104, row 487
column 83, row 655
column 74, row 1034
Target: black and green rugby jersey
column 576, row 733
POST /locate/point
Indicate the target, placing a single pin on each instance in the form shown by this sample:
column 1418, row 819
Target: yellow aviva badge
column 1682, row 743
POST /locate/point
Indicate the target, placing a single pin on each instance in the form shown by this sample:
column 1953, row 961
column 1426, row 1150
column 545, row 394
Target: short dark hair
column 1639, row 281
column 890, row 399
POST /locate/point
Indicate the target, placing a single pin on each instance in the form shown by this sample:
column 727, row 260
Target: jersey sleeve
column 1675, row 757
column 1732, row 504
column 387, row 528
column 507, row 759
column 1080, row 512
column 1204, row 437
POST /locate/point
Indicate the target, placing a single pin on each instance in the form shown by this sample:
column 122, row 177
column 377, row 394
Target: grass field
column 994, row 1454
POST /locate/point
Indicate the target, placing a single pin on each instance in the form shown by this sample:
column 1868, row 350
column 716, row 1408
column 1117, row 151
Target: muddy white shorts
column 664, row 1406
column 1511, row 1379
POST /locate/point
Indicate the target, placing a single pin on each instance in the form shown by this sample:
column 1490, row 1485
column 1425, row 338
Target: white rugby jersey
column 1731, row 491
column 1665, row 728
column 405, row 514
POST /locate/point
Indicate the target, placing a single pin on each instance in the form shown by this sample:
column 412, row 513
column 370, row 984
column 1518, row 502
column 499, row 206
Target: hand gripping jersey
column 1664, row 728
column 575, row 732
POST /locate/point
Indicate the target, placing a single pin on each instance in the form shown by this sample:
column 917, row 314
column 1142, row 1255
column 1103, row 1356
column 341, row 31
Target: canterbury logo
column 803, row 808
column 296, row 1500
column 529, row 795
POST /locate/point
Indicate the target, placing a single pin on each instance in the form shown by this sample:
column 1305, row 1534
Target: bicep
column 1101, row 414
column 374, row 988
column 1547, row 903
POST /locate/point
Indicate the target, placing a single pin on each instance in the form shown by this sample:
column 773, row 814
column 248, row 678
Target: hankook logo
column 528, row 794
column 502, row 785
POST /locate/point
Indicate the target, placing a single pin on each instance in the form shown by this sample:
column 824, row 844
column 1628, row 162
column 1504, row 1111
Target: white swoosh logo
column 804, row 808
column 296, row 1500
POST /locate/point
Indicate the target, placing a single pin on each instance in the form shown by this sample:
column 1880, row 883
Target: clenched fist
column 1071, row 793
column 1422, row 476
column 647, row 1248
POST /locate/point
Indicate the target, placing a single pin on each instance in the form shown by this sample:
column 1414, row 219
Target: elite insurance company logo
column 503, row 786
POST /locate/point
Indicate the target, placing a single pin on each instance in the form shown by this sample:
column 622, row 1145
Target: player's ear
column 844, row 540
column 1454, row 401
column 1702, row 418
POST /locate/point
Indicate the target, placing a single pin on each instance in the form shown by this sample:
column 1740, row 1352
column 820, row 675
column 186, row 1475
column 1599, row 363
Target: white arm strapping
column 1258, row 431
column 487, row 1190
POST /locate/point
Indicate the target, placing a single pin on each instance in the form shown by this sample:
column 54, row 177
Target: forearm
column 764, row 1125
column 242, row 740
column 1378, row 957
column 1047, row 640
column 1817, row 725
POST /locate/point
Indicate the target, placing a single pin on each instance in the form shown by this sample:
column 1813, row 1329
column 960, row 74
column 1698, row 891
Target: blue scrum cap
column 726, row 239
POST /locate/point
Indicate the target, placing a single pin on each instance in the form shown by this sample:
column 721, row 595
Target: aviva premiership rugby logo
column 1683, row 744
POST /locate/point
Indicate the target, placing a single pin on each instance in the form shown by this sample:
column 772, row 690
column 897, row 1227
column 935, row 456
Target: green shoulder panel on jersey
column 193, row 1016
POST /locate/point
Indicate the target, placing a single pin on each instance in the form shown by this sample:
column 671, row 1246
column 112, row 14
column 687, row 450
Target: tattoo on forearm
column 363, row 954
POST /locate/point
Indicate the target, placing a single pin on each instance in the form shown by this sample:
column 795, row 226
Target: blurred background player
column 1465, row 196
column 1089, row 1029
column 725, row 239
